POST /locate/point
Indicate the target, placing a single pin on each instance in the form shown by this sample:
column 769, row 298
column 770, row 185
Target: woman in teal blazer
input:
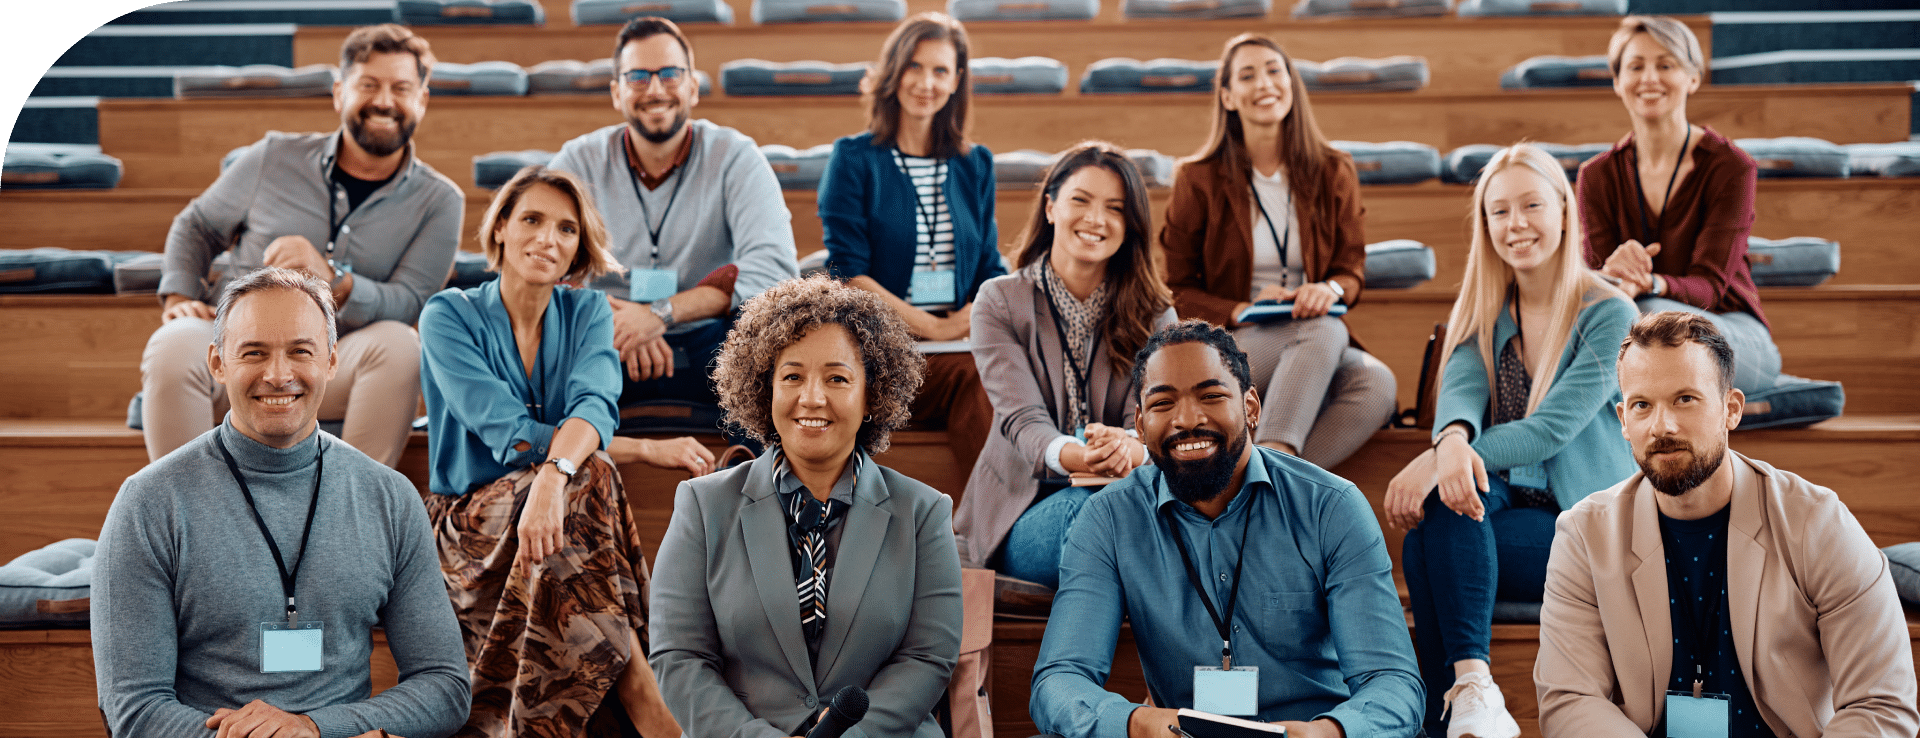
column 1525, row 427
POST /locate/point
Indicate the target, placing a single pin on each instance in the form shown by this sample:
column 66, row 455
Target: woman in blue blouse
column 536, row 541
column 907, row 209
column 1525, row 427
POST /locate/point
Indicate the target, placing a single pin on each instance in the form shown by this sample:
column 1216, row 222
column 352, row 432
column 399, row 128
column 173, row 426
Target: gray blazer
column 727, row 645
column 1024, row 371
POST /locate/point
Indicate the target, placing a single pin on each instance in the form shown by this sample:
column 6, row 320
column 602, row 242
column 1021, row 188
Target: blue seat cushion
column 1900, row 159
column 1516, row 612
column 1195, row 9
column 1026, row 75
column 1398, row 264
column 1017, row 10
column 1541, row 7
column 1795, row 156
column 1393, row 162
column 1355, row 74
column 825, row 11
column 1803, row 261
column 1156, row 169
column 1369, row 8
column 60, row 271
column 798, row 169
column 48, row 587
column 254, row 80
column 1022, row 169
column 1904, row 561
column 762, row 77
column 1793, row 402
column 479, row 78
column 618, row 12
column 1558, row 71
column 470, row 12
column 492, row 170
column 1125, row 75
column 470, row 270
column 58, row 167
column 1463, row 165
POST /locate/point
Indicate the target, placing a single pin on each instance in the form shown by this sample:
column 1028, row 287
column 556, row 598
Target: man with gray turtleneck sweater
column 208, row 553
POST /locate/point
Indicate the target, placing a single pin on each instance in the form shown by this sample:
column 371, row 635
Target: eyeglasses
column 640, row 77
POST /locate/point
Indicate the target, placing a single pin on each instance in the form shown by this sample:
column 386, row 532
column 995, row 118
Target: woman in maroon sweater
column 1667, row 211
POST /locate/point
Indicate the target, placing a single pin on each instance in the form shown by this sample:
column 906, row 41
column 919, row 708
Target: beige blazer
column 1821, row 638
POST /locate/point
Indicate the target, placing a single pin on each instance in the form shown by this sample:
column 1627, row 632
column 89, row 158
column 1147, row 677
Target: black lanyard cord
column 646, row 218
column 1279, row 241
column 1082, row 376
column 1233, row 592
column 288, row 579
column 923, row 211
column 1648, row 234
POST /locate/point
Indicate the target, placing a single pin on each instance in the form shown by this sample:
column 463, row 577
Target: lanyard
column 1082, row 376
column 921, row 210
column 334, row 227
column 1281, row 241
column 1704, row 628
column 1647, row 233
column 287, row 579
column 646, row 218
column 1233, row 593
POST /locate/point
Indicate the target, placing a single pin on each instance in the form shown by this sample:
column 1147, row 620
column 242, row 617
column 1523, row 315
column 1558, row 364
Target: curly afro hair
column 743, row 375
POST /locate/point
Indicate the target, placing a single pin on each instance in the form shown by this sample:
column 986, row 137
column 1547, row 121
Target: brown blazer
column 1821, row 638
column 1208, row 237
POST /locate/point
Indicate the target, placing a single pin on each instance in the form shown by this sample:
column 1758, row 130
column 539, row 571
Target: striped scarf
column 808, row 531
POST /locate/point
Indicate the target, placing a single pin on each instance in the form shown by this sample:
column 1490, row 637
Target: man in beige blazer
column 1820, row 643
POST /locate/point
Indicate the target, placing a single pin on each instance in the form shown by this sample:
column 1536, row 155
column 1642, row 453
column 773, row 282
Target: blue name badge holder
column 291, row 647
column 1234, row 691
column 932, row 288
column 1696, row 714
column 649, row 285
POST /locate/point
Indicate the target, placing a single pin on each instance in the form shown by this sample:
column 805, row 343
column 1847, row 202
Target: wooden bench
column 175, row 143
column 1866, row 215
column 1497, row 43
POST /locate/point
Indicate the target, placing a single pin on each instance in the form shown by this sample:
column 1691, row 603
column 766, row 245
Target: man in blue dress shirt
column 1225, row 554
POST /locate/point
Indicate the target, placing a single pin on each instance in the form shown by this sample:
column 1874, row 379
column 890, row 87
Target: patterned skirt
column 546, row 649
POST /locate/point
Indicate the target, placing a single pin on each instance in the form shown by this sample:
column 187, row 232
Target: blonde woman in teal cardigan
column 1525, row 427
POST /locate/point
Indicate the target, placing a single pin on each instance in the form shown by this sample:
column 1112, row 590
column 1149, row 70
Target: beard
column 1199, row 480
column 380, row 144
column 662, row 136
column 1683, row 480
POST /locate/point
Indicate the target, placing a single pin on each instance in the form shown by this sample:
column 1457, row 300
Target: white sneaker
column 1479, row 710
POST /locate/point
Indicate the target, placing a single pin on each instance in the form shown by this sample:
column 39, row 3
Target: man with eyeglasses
column 354, row 208
column 694, row 214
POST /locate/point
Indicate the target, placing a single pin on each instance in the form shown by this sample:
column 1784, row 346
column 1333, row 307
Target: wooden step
column 175, row 143
column 1496, row 43
column 1864, row 215
column 79, row 356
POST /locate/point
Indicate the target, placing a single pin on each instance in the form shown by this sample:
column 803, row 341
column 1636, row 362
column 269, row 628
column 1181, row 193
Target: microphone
column 847, row 707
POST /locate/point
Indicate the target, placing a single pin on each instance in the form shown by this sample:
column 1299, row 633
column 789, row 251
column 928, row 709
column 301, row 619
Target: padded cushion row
column 58, row 166
column 617, row 12
column 48, row 587
column 470, row 12
column 1345, row 74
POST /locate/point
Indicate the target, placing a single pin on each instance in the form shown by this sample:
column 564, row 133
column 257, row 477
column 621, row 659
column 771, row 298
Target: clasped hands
column 257, row 719
column 641, row 339
column 1108, row 452
column 1632, row 264
column 1453, row 467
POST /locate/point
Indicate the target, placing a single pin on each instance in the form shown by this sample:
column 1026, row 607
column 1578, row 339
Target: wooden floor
column 178, row 143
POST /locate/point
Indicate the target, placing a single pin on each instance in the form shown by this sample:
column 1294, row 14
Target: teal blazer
column 1575, row 431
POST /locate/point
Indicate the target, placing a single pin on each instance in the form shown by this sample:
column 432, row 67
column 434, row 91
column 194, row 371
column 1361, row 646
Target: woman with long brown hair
column 1267, row 211
column 1055, row 343
column 907, row 212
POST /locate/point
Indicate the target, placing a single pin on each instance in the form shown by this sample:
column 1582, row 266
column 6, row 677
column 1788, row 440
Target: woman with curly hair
column 812, row 568
column 1055, row 342
column 536, row 543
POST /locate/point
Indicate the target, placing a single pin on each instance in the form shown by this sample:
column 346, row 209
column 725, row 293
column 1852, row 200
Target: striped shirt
column 933, row 222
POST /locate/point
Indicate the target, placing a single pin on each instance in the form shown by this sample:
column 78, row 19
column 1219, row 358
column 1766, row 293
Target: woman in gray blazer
column 812, row 568
column 1085, row 281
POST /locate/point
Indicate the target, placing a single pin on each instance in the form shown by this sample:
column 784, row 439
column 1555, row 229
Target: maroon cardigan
column 1702, row 232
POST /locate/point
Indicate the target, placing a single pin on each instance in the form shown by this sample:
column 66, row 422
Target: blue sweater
column 1575, row 430
column 867, row 211
column 477, row 390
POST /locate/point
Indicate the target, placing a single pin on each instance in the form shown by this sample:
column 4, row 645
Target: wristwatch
column 565, row 466
column 1339, row 293
column 662, row 309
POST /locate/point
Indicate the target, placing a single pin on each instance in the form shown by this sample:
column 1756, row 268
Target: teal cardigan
column 1575, row 431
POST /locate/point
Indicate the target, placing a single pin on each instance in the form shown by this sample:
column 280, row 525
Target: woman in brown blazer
column 1268, row 211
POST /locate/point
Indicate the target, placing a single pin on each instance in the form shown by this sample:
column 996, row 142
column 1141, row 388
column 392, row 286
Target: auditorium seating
column 71, row 361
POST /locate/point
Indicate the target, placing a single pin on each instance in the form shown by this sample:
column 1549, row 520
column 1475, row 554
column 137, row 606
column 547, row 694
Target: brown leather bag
column 1431, row 367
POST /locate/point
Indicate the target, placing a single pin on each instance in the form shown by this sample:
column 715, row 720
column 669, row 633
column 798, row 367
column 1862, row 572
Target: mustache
column 1665, row 445
column 1197, row 434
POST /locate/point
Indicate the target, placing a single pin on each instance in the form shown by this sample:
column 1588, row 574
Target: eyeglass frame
column 638, row 77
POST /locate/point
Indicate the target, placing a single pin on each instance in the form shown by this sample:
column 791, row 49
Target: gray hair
column 275, row 278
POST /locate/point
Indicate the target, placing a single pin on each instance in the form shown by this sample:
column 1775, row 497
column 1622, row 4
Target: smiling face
column 1525, row 217
column 1675, row 415
column 275, row 364
column 1195, row 419
column 1088, row 216
column 380, row 101
column 657, row 110
column 1259, row 86
column 928, row 81
column 819, row 396
column 1652, row 81
column 540, row 238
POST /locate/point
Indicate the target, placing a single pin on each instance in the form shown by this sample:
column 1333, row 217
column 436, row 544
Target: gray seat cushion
column 1463, row 165
column 1369, row 8
column 798, row 169
column 52, row 270
column 762, row 77
column 1017, row 10
column 1793, row 402
column 818, row 11
column 1026, row 75
column 1802, row 261
column 1393, row 162
column 48, row 587
column 1541, row 7
column 1355, row 74
column 494, row 169
column 1558, row 71
column 1398, row 264
column 470, row 12
column 1195, row 9
column 1795, row 156
column 254, row 80
column 1904, row 560
column 1127, row 75
column 1900, row 159
column 479, row 78
column 58, row 167
column 618, row 12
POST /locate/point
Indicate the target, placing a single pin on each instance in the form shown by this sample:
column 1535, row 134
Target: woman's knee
column 1325, row 332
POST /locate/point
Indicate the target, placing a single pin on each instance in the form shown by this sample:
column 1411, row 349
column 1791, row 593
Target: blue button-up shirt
column 1314, row 549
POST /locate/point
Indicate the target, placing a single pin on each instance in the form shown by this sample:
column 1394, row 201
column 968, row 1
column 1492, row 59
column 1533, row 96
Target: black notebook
column 1267, row 311
column 1208, row 725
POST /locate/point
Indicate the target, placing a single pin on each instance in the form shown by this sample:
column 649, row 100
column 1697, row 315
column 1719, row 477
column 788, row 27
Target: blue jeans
column 1456, row 568
column 1756, row 361
column 1033, row 545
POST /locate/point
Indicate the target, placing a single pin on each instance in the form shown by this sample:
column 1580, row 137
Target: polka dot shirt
column 1696, row 552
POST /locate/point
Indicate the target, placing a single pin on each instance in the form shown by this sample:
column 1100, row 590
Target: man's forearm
column 699, row 303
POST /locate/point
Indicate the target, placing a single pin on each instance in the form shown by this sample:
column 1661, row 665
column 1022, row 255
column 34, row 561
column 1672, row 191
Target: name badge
column 291, row 647
column 1227, row 692
column 1696, row 717
column 932, row 288
column 1531, row 476
column 648, row 285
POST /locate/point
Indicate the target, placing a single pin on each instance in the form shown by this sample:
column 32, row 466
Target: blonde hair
column 593, row 257
column 1675, row 36
column 1483, row 290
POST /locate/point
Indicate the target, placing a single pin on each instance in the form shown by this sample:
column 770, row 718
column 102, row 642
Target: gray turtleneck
column 183, row 581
